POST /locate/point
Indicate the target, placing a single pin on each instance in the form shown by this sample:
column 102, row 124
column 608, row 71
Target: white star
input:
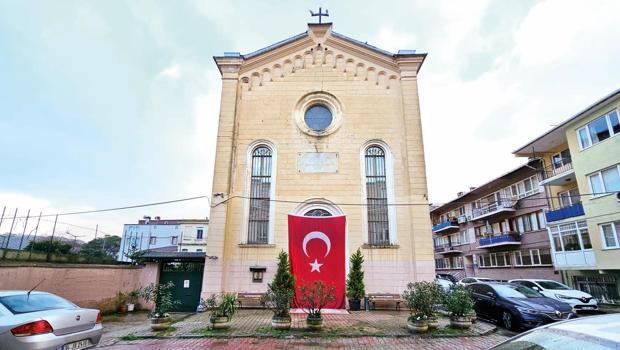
column 315, row 266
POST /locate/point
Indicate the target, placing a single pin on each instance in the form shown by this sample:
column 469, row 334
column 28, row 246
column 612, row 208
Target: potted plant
column 460, row 305
column 355, row 281
column 132, row 299
column 421, row 298
column 222, row 310
column 279, row 294
column 313, row 299
column 161, row 296
column 437, row 295
column 121, row 304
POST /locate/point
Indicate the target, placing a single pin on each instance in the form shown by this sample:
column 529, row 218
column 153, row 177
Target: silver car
column 39, row 320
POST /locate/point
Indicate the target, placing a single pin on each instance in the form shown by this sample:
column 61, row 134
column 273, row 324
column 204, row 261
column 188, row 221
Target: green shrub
column 281, row 289
column 355, row 280
column 421, row 298
column 459, row 301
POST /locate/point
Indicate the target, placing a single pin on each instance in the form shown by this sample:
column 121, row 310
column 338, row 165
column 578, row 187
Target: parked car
column 469, row 280
column 516, row 307
column 447, row 276
column 445, row 284
column 552, row 289
column 592, row 333
column 39, row 320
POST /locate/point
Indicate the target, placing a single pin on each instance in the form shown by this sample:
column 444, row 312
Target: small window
column 257, row 273
column 599, row 129
column 199, row 233
column 605, row 181
column 609, row 233
column 174, row 240
column 184, row 249
column 153, row 240
column 198, row 250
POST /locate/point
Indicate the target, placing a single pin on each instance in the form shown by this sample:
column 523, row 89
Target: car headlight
column 528, row 311
column 562, row 296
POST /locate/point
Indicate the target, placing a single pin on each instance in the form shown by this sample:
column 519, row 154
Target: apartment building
column 163, row 235
column 581, row 162
column 497, row 230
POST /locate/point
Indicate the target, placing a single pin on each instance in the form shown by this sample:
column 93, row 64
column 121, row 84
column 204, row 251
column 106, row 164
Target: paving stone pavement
column 358, row 343
column 249, row 323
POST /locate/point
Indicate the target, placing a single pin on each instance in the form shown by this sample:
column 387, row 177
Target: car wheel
column 508, row 321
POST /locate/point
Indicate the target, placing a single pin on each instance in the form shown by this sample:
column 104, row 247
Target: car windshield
column 22, row 303
column 552, row 285
column 551, row 339
column 516, row 291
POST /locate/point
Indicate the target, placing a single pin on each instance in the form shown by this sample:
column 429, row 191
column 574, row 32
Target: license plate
column 587, row 308
column 78, row 345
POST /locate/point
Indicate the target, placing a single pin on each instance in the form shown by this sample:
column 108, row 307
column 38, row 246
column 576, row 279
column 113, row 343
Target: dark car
column 516, row 307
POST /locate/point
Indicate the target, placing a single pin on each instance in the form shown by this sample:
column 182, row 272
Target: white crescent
column 317, row 235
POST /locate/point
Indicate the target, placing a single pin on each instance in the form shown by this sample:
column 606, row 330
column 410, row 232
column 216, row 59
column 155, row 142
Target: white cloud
column 173, row 71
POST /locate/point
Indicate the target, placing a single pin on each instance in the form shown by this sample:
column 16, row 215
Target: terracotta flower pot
column 160, row 323
column 283, row 323
column 461, row 322
column 220, row 322
column 314, row 323
column 433, row 323
column 420, row 326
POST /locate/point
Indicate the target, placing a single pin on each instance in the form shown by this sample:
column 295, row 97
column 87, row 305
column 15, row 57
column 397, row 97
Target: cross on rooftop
column 320, row 14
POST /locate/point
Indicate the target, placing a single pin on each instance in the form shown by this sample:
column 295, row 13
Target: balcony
column 446, row 226
column 565, row 213
column 491, row 209
column 555, row 175
column 450, row 249
column 506, row 239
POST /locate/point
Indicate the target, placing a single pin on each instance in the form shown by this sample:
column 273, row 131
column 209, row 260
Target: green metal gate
column 187, row 279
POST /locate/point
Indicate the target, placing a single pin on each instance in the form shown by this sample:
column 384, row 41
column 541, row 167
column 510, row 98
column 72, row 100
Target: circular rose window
column 318, row 113
column 318, row 118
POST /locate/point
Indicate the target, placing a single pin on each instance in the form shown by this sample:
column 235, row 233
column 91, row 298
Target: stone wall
column 86, row 285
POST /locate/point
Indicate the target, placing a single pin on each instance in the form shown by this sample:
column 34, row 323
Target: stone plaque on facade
column 317, row 162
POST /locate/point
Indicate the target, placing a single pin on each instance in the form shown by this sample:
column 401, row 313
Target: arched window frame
column 244, row 233
column 389, row 172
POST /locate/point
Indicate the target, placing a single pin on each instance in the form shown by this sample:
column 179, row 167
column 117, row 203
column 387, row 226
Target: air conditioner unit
column 462, row 219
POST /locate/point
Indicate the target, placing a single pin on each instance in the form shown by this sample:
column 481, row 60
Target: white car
column 579, row 300
column 44, row 321
column 469, row 280
column 445, row 284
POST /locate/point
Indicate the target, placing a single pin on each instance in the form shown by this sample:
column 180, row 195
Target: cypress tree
column 355, row 279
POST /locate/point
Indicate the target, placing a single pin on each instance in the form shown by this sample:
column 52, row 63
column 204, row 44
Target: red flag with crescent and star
column 316, row 247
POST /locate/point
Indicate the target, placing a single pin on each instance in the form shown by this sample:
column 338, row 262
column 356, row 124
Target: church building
column 319, row 125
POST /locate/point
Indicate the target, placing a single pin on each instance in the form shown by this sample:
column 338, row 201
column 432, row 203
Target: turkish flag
column 317, row 251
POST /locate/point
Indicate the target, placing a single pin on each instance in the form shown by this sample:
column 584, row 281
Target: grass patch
column 209, row 332
column 449, row 332
column 166, row 332
column 129, row 337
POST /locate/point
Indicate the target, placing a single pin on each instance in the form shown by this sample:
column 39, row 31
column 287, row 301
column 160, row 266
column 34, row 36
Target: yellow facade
column 375, row 97
column 599, row 264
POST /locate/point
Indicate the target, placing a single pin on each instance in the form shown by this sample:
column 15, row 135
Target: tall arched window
column 377, row 196
column 260, row 195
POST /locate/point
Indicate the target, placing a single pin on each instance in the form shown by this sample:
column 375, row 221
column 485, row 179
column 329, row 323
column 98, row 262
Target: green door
column 187, row 279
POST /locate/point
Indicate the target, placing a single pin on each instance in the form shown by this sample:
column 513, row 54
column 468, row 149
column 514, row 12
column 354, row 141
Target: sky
column 113, row 103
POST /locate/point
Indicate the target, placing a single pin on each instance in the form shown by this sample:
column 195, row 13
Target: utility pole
column 21, row 241
column 49, row 247
column 34, row 239
column 9, row 237
column 96, row 229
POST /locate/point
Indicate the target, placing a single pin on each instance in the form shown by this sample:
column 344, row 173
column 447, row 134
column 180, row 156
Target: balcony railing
column 449, row 248
column 446, row 225
column 510, row 238
column 552, row 170
column 489, row 209
column 565, row 213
